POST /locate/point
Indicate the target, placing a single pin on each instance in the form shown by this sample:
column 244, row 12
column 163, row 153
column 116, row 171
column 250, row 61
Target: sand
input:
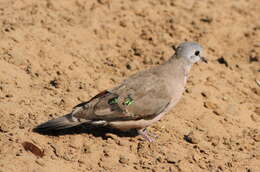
column 55, row 54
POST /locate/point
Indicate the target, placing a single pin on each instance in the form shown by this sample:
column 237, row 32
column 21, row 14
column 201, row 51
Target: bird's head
column 190, row 51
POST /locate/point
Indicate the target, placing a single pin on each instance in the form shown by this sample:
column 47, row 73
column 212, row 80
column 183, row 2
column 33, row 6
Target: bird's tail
column 63, row 122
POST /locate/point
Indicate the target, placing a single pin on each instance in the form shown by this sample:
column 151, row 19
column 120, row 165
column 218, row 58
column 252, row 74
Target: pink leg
column 145, row 134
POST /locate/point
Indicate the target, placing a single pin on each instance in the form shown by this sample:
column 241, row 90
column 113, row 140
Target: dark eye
column 197, row 53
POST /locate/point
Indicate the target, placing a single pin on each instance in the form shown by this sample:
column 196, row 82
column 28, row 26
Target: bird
column 139, row 101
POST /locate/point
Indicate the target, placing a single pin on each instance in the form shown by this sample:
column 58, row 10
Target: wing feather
column 141, row 96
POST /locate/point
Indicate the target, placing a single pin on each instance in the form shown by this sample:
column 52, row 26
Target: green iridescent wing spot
column 113, row 101
column 128, row 101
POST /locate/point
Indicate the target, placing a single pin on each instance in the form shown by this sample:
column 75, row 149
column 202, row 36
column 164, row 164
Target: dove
column 138, row 101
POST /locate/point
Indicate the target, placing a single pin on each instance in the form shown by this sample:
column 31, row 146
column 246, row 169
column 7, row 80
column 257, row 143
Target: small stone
column 81, row 161
column 218, row 112
column 40, row 162
column 122, row 23
column 205, row 94
column 171, row 158
column 128, row 66
column 69, row 157
column 76, row 143
column 255, row 117
column 210, row 105
column 147, row 61
column 196, row 157
column 257, row 111
column 257, row 138
column 136, row 50
column 188, row 90
column 222, row 60
column 159, row 159
column 4, row 127
column 8, row 95
column 73, row 146
column 256, row 91
column 192, row 138
column 86, row 149
column 54, row 83
column 215, row 140
column 225, row 98
column 107, row 152
column 56, row 150
column 123, row 159
column 184, row 166
column 103, row 2
column 28, row 146
column 206, row 19
column 253, row 58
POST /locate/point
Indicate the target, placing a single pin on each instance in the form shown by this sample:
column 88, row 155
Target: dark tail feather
column 60, row 123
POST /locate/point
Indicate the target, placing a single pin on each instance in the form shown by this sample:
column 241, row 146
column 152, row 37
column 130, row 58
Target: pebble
column 255, row 117
column 69, row 157
column 107, row 152
column 81, row 161
column 256, row 91
column 192, row 138
column 196, row 157
column 4, row 127
column 257, row 111
column 205, row 94
column 57, row 151
column 128, row 66
column 210, row 105
column 28, row 146
column 40, row 162
column 225, row 98
column 55, row 83
column 123, row 159
column 222, row 60
column 257, row 138
column 218, row 112
column 8, row 95
column 188, row 90
column 86, row 149
column 206, row 19
column 183, row 166
column 171, row 158
column 123, row 23
column 215, row 140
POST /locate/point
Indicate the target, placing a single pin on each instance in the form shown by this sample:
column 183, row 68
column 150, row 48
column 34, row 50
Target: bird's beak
column 204, row 59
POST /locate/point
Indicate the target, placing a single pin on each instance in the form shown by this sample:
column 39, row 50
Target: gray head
column 191, row 51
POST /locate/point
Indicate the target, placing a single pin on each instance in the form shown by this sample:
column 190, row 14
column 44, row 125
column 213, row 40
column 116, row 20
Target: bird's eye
column 197, row 53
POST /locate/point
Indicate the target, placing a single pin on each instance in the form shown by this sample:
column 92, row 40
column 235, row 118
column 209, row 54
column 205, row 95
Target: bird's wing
column 141, row 96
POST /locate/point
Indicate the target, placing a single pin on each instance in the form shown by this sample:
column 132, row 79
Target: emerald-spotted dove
column 140, row 100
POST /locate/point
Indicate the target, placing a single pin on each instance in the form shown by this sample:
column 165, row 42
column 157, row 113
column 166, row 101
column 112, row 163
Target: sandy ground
column 55, row 54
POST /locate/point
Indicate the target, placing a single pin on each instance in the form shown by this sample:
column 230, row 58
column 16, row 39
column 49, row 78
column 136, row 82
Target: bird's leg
column 146, row 135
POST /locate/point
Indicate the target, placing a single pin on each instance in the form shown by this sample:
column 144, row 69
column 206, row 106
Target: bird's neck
column 179, row 66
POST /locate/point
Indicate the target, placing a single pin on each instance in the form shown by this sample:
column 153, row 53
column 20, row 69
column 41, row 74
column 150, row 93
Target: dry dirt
column 55, row 54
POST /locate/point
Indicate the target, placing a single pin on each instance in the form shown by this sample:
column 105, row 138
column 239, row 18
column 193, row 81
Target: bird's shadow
column 97, row 131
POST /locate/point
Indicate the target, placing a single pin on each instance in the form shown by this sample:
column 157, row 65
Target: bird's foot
column 150, row 137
